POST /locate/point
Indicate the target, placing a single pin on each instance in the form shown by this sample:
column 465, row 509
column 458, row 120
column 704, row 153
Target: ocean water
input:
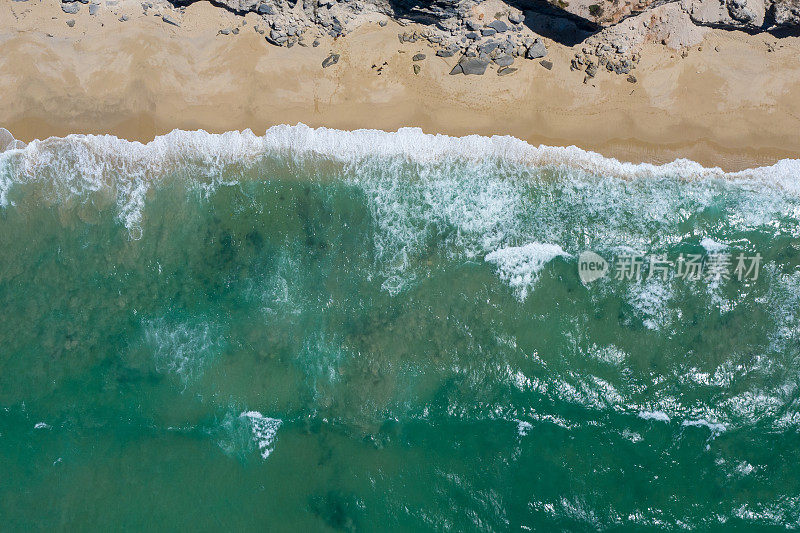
column 319, row 330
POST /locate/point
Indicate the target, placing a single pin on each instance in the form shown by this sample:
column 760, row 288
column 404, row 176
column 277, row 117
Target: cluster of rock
column 498, row 32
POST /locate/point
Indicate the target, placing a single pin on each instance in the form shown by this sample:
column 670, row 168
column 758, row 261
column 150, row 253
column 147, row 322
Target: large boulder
column 786, row 13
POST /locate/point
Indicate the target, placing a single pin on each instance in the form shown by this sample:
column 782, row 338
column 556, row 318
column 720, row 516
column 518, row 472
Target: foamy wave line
column 91, row 162
column 410, row 143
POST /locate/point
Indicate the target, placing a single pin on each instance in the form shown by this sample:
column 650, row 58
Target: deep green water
column 269, row 339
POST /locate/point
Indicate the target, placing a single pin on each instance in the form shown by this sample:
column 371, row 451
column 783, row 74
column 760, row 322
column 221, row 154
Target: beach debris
column 330, row 60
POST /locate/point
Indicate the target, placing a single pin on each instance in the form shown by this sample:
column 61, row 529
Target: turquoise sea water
column 361, row 331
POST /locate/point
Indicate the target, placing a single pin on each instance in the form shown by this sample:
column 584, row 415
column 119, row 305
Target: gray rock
column 516, row 18
column 94, row 8
column 488, row 32
column 488, row 48
column 631, row 78
column 71, row 23
column 170, row 20
column 536, row 50
column 591, row 70
column 265, row 9
column 446, row 52
column 472, row 25
column 505, row 71
column 225, row 31
column 472, row 36
column 330, row 60
column 546, row 64
column 123, row 18
column 474, row 65
column 504, row 60
column 457, row 70
column 738, row 11
column 418, row 57
column 70, row 9
column 382, row 23
column 416, row 69
column 498, row 25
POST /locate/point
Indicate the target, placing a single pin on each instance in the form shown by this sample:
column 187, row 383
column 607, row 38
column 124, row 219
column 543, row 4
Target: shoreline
column 730, row 103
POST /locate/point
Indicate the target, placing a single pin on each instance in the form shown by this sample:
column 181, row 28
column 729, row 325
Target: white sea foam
column 85, row 162
column 264, row 430
column 658, row 416
column 711, row 246
column 715, row 427
column 182, row 348
column 519, row 266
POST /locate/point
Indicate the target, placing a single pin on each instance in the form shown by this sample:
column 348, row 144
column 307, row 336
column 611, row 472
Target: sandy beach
column 733, row 101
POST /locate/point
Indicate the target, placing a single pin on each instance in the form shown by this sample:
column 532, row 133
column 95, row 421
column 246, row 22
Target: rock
column 546, row 64
column 70, row 8
column 472, row 36
column 226, row 31
column 94, row 8
column 123, row 18
column 591, row 70
column 382, row 23
column 170, row 20
column 265, row 9
column 330, row 60
column 416, row 69
column 786, row 13
column 505, row 71
column 498, row 25
column 315, row 43
column 472, row 25
column 446, row 52
column 488, row 32
column 536, row 50
column 504, row 60
column 418, row 57
column 738, row 10
column 474, row 65
column 71, row 23
column 631, row 78
column 488, row 48
column 457, row 70
column 277, row 37
column 516, row 17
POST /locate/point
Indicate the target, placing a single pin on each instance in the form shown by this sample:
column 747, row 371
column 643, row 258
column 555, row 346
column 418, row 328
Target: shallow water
column 367, row 331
